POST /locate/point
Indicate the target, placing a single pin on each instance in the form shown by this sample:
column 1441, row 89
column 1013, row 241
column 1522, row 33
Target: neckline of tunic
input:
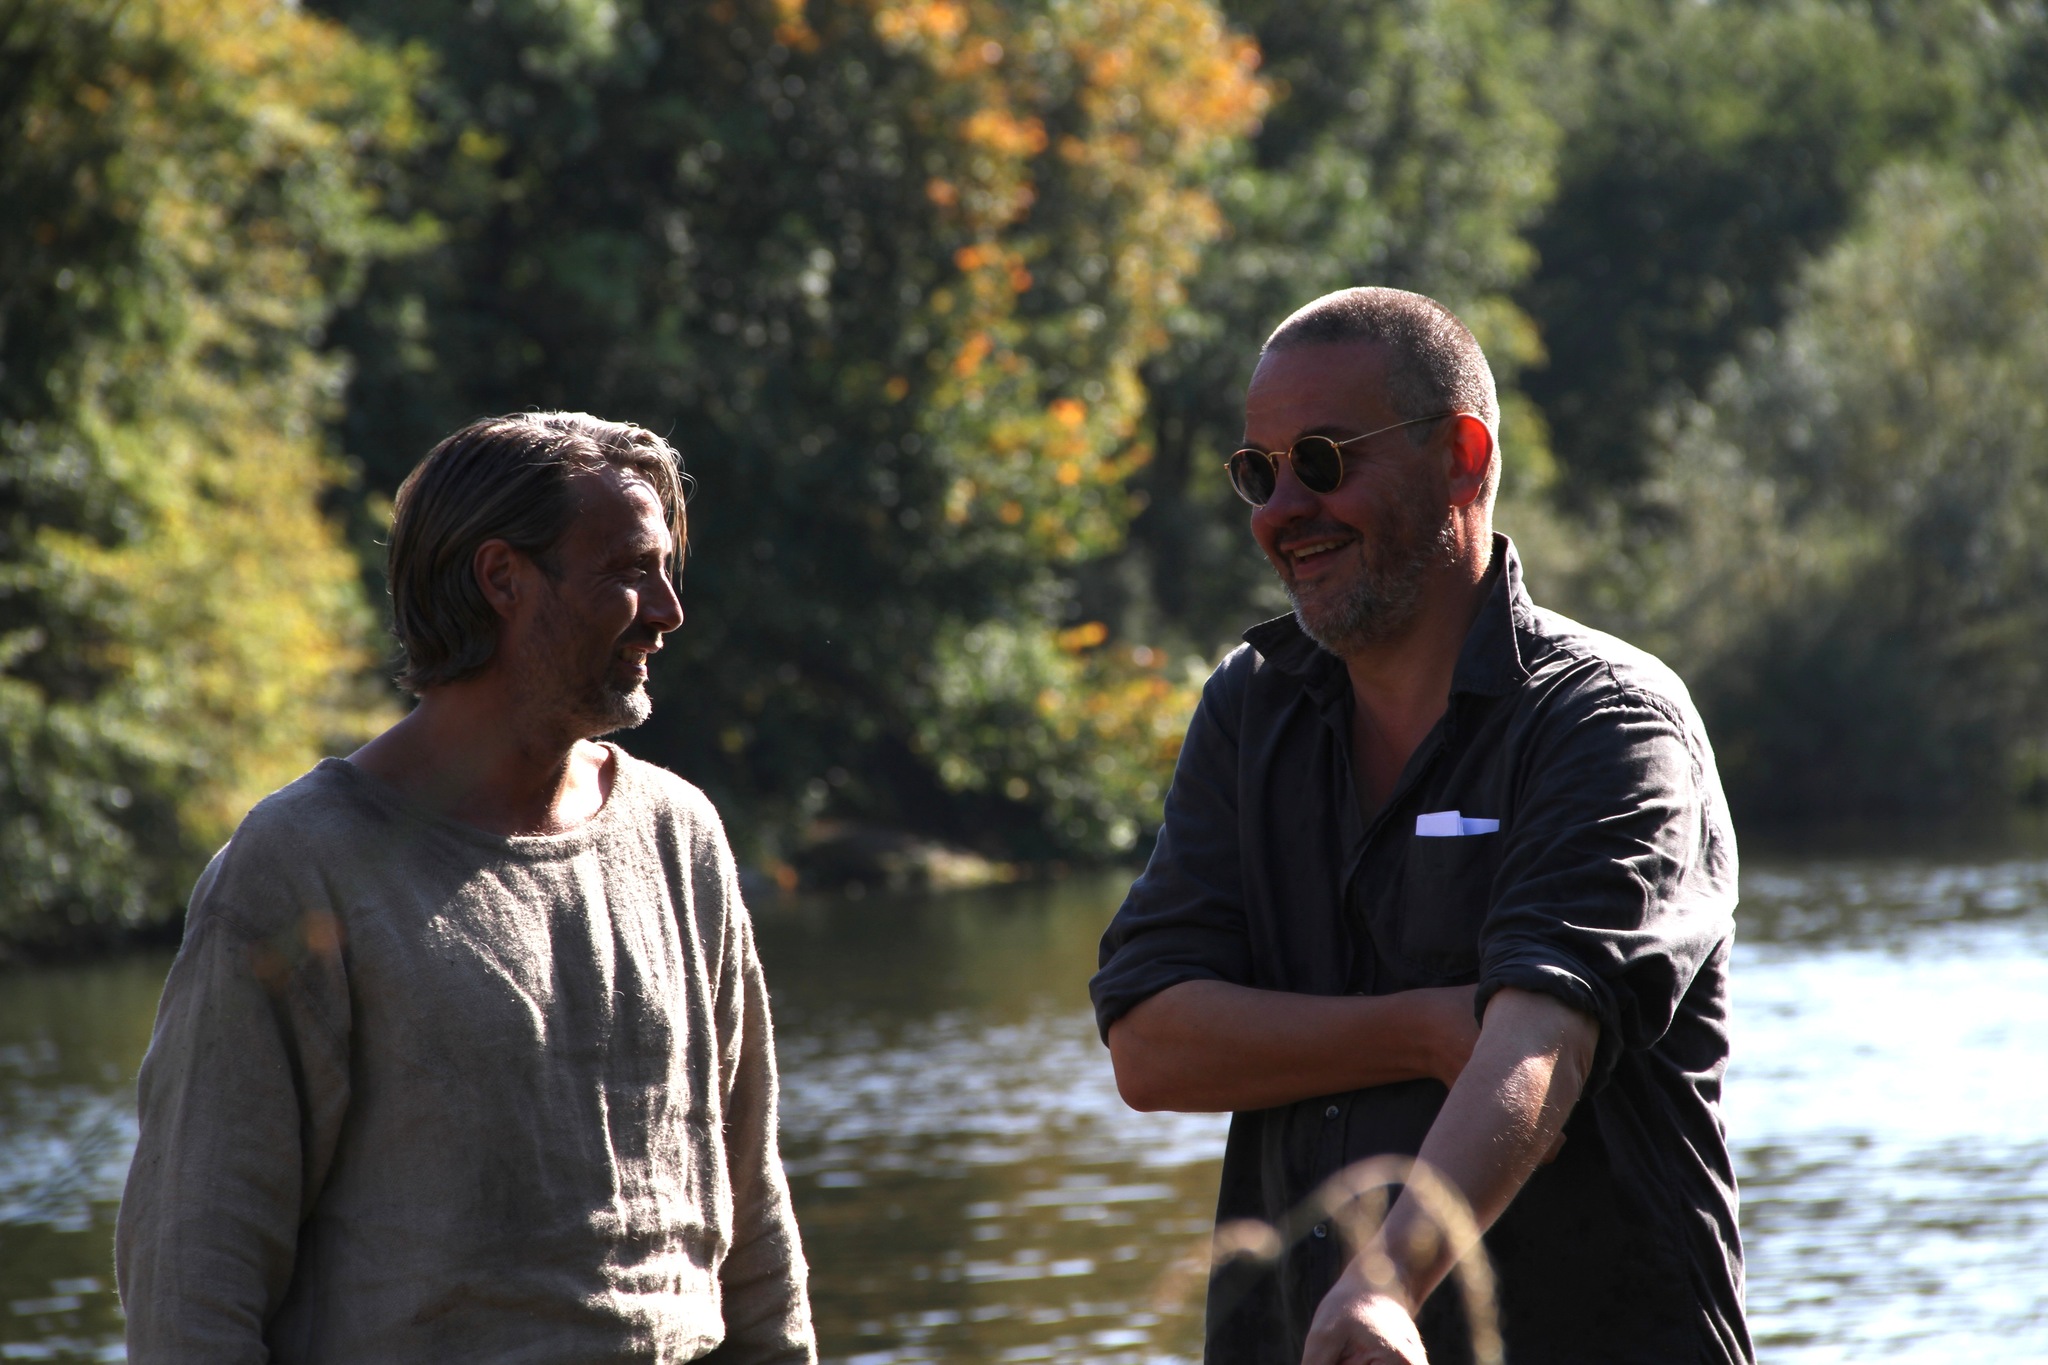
column 531, row 847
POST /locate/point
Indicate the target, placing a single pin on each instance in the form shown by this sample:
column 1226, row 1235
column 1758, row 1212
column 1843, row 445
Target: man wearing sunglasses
column 1443, row 875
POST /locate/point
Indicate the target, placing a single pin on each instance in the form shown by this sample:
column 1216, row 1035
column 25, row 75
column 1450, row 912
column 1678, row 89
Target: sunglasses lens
column 1318, row 463
column 1251, row 474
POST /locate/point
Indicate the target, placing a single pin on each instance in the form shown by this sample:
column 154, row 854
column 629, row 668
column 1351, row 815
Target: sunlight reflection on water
column 1891, row 1128
column 972, row 1189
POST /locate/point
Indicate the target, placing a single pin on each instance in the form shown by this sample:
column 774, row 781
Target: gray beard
column 599, row 708
column 1384, row 599
column 592, row 707
column 617, row 710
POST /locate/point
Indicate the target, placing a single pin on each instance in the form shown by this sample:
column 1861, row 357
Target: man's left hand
column 1357, row 1324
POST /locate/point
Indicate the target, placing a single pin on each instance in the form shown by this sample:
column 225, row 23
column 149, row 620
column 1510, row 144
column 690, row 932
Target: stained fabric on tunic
column 419, row 1093
column 1609, row 883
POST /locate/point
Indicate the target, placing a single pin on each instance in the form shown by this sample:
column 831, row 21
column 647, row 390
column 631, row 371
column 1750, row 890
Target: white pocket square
column 1448, row 824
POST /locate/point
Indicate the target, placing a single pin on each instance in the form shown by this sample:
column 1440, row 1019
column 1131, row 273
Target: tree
column 181, row 629
column 886, row 270
column 1709, row 151
column 1854, row 578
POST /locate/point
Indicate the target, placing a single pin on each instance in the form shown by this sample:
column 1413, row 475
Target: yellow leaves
column 792, row 29
column 960, row 499
column 240, row 633
column 1005, row 133
column 1086, row 636
column 1109, row 68
column 910, row 23
column 474, row 144
column 1117, row 112
column 225, row 627
column 972, row 352
column 1091, row 726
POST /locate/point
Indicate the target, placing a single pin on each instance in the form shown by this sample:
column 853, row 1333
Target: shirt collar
column 1490, row 663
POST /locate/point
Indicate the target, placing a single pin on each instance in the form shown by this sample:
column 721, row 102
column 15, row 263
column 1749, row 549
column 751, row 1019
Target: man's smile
column 635, row 656
column 1312, row 552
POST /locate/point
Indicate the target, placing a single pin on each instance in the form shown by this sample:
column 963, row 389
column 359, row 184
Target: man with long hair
column 467, row 1054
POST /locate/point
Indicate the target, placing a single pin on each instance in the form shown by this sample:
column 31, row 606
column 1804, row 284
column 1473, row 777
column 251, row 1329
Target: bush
column 181, row 629
column 1841, row 547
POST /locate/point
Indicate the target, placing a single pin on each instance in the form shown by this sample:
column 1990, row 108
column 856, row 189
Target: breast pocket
column 1446, row 891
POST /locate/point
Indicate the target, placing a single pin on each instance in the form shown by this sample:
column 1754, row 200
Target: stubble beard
column 618, row 708
column 590, row 706
column 1383, row 599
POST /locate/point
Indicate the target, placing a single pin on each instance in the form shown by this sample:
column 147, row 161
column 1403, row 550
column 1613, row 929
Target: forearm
column 1213, row 1047
column 1502, row 1116
column 1501, row 1119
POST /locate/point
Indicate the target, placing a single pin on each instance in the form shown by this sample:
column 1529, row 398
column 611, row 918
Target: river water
column 972, row 1190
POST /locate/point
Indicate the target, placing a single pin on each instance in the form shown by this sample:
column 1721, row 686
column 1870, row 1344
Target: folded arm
column 1503, row 1115
column 1214, row 1047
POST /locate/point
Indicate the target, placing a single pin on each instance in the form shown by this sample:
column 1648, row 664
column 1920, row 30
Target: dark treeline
column 949, row 305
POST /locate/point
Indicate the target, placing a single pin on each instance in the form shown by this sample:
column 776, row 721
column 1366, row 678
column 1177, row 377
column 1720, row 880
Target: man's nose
column 660, row 607
column 1290, row 498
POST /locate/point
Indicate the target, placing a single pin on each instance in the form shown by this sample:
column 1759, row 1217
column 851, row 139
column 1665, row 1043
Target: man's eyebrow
column 1336, row 431
column 636, row 548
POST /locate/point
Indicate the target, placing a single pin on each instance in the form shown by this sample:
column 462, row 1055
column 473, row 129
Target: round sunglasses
column 1318, row 462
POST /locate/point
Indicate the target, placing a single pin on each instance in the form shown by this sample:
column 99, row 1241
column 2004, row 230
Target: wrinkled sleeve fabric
column 762, row 1281
column 1613, row 887
column 240, row 1100
column 1184, row 919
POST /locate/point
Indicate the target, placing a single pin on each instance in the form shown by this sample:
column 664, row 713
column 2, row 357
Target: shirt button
column 1321, row 1229
column 1331, row 1112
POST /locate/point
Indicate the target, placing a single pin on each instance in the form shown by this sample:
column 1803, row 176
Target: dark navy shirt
column 1609, row 882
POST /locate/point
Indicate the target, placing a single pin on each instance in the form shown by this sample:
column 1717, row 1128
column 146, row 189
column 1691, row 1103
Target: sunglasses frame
column 1273, row 457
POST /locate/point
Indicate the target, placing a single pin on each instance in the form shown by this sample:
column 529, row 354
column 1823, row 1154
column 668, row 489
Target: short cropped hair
column 503, row 478
column 1434, row 364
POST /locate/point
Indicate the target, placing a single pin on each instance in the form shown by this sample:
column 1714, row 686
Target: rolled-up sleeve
column 1615, row 883
column 1184, row 918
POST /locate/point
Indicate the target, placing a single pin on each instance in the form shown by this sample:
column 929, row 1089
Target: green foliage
column 1853, row 574
column 950, row 305
column 886, row 272
column 1709, row 149
column 1085, row 730
column 180, row 628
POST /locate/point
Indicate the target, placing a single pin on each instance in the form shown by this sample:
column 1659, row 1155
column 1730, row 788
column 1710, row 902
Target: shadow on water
column 972, row 1189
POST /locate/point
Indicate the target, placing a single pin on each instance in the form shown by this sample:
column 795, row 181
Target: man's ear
column 501, row 575
column 1468, row 458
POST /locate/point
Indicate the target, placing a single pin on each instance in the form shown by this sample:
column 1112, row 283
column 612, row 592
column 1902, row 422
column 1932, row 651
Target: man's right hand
column 1356, row 1324
column 1213, row 1047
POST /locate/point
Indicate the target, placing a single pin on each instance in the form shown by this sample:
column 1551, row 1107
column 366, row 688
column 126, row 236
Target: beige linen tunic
column 418, row 1093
